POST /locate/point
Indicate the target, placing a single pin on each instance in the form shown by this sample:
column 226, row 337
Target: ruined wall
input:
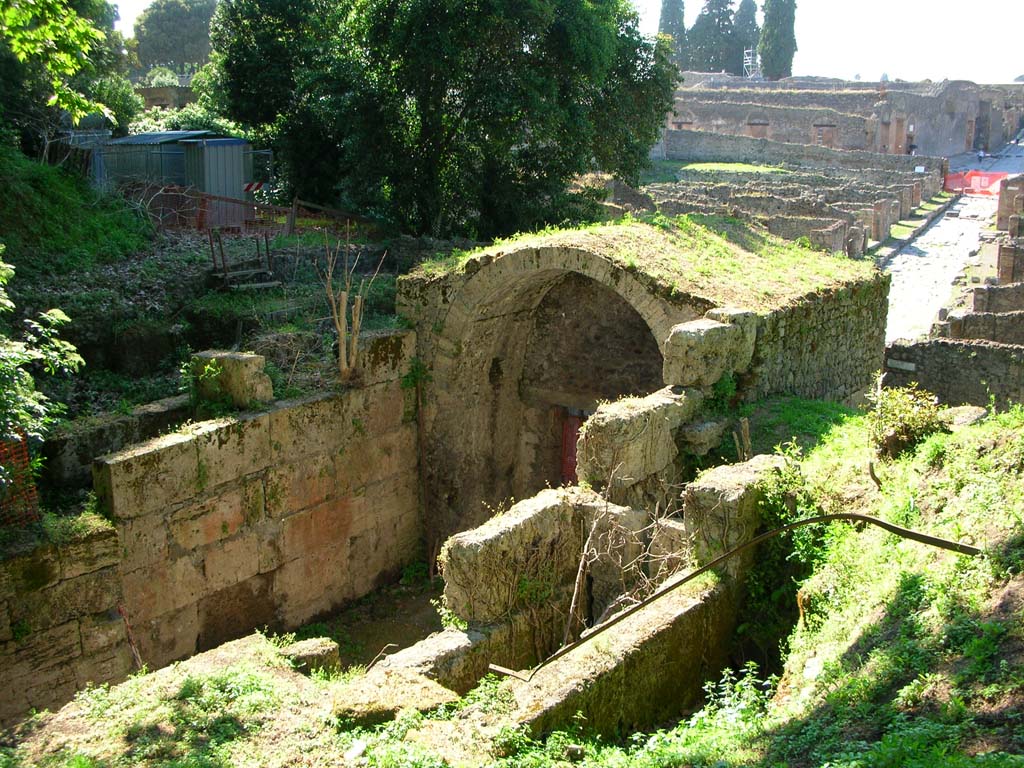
column 1002, row 327
column 1011, row 201
column 999, row 298
column 827, row 347
column 59, row 626
column 959, row 371
column 700, row 146
column 269, row 518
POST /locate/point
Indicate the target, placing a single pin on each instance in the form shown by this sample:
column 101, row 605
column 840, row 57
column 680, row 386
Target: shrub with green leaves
column 902, row 418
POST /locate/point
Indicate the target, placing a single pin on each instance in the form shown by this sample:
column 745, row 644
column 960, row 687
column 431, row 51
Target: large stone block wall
column 829, row 346
column 59, row 624
column 1010, row 263
column 269, row 518
column 958, row 371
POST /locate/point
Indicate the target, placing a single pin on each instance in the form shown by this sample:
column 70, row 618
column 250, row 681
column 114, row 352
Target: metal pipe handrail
column 906, row 533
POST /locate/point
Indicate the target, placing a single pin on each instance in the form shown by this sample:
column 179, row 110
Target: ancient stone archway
column 523, row 336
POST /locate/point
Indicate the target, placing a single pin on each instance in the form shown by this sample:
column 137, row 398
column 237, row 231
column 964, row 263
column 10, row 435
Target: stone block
column 148, row 478
column 314, row 653
column 326, row 525
column 209, row 522
column 230, row 449
column 49, row 648
column 380, row 694
column 31, row 572
column 232, row 611
column 311, row 585
column 162, row 588
column 97, row 550
column 698, row 353
column 746, row 321
column 238, row 377
column 66, row 601
column 231, row 562
column 295, row 487
column 627, row 441
column 111, row 666
column 385, row 356
column 101, row 631
column 701, row 437
column 529, row 553
column 143, row 541
column 169, row 637
column 670, row 550
column 720, row 507
column 314, row 426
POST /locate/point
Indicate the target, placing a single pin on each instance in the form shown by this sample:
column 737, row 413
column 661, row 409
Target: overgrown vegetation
column 53, row 224
column 902, row 655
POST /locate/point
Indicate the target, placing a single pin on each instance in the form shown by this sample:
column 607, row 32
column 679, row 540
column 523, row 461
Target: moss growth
column 719, row 260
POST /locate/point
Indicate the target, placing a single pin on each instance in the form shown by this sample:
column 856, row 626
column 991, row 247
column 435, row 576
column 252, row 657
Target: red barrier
column 975, row 182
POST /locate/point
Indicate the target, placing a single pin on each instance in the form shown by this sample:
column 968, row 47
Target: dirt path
column 923, row 272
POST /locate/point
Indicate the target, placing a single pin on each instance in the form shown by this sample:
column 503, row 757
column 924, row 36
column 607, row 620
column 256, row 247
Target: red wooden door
column 570, row 434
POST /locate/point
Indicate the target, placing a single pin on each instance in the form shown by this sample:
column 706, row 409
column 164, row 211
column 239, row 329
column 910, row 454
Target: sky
column 905, row 39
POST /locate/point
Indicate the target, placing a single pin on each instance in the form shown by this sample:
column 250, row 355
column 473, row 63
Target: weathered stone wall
column 269, row 518
column 70, row 450
column 701, row 146
column 827, row 347
column 59, row 625
column 999, row 298
column 1010, row 263
column 1002, row 327
column 1011, row 201
column 958, row 371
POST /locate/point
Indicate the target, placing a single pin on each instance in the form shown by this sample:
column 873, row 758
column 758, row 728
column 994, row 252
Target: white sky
column 907, row 39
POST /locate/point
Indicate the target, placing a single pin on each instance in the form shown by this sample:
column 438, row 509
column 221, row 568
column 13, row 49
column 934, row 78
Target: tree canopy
column 748, row 33
column 714, row 45
column 448, row 116
column 175, row 34
column 778, row 39
column 672, row 23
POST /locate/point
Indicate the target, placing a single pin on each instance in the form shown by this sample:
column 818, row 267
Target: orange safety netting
column 975, row 182
column 19, row 503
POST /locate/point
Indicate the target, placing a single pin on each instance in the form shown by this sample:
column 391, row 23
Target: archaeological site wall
column 268, row 518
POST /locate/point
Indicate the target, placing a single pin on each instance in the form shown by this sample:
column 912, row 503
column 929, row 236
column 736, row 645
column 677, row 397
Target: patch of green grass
column 731, row 168
column 52, row 223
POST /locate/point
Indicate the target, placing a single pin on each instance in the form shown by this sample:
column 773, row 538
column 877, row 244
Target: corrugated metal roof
column 161, row 137
column 215, row 142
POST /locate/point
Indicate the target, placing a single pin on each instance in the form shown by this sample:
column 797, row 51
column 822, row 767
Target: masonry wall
column 59, row 625
column 1011, row 201
column 829, row 346
column 959, row 371
column 266, row 519
column 700, row 146
column 1003, row 327
column 999, row 298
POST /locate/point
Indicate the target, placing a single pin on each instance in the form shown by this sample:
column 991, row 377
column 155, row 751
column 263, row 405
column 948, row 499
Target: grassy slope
column 52, row 223
column 723, row 260
column 908, row 656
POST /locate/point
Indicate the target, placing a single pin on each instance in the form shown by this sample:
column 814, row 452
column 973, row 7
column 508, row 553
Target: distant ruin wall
column 999, row 298
column 828, row 346
column 1011, row 201
column 1002, row 327
column 958, row 371
column 699, row 146
column 59, row 626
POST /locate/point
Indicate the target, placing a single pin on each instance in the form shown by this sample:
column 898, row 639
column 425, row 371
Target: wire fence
column 19, row 501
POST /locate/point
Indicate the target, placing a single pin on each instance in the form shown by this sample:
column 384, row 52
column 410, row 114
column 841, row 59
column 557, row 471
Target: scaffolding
column 751, row 64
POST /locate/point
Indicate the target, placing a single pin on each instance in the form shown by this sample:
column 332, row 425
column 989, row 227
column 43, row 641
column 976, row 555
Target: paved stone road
column 923, row 272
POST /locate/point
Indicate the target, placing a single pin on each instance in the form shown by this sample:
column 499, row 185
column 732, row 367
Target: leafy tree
column 673, row 24
column 118, row 95
column 778, row 39
column 175, row 34
column 23, row 409
column 713, row 43
column 747, row 32
column 160, row 77
column 52, row 42
column 466, row 116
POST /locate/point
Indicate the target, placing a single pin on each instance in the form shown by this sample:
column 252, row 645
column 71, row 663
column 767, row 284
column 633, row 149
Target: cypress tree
column 745, row 21
column 713, row 44
column 673, row 25
column 778, row 38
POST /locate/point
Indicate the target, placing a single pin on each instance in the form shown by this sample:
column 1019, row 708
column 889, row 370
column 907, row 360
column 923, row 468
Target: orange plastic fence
column 975, row 182
column 19, row 503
